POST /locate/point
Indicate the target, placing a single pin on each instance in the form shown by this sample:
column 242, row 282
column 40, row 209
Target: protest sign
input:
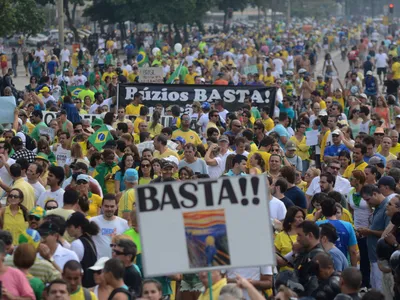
column 151, row 75
column 47, row 131
column 206, row 224
column 7, row 109
column 184, row 95
column 251, row 70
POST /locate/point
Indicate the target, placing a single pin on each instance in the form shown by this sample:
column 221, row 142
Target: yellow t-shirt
column 352, row 167
column 79, row 295
column 136, row 123
column 396, row 70
column 27, row 190
column 94, row 205
column 253, row 147
column 302, row 185
column 265, row 156
column 394, row 150
column 132, row 109
column 110, row 183
column 284, row 244
column 14, row 224
column 269, row 124
column 323, row 143
column 167, row 153
column 190, row 136
column 126, row 202
column 269, row 80
column 215, row 290
column 390, row 157
column 339, row 100
column 156, row 130
column 110, row 74
column 189, row 78
column 322, row 104
column 132, row 77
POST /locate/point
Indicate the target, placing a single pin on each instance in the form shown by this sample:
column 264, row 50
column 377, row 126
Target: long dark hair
column 290, row 215
column 122, row 163
column 140, row 172
column 22, row 207
column 155, row 120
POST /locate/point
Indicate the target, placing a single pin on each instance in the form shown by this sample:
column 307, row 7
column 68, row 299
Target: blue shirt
column 297, row 196
column 230, row 174
column 288, row 110
column 120, row 178
column 334, row 150
column 379, row 222
column 52, row 66
column 339, row 260
column 282, row 131
column 345, row 232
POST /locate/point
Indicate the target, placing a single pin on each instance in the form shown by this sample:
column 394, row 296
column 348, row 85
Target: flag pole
column 210, row 285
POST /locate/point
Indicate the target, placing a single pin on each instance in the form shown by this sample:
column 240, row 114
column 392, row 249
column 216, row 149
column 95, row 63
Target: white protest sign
column 312, row 137
column 7, row 109
column 47, row 131
column 206, row 224
column 250, row 70
column 151, row 75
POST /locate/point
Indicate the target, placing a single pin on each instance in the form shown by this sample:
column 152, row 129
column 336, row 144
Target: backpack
column 130, row 294
column 30, row 143
column 86, row 294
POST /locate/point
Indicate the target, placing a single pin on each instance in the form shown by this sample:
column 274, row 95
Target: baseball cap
column 387, row 181
column 376, row 160
column 99, row 265
column 290, row 145
column 323, row 113
column 362, row 95
column 301, row 71
column 223, row 138
column 97, row 122
column 166, row 164
column 45, row 89
column 336, row 132
column 37, row 212
column 66, row 70
column 369, row 73
column 16, row 141
column 172, row 159
column 379, row 130
column 77, row 219
column 206, row 105
column 83, row 177
column 42, row 156
column 131, row 175
column 179, row 139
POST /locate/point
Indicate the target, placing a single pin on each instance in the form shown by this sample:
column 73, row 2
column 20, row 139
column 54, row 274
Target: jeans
column 14, row 68
column 306, row 165
column 364, row 262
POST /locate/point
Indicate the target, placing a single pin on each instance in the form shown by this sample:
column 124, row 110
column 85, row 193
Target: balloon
column 155, row 51
column 178, row 47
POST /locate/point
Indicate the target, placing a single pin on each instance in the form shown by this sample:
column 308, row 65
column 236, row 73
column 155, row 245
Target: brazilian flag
column 142, row 57
column 100, row 137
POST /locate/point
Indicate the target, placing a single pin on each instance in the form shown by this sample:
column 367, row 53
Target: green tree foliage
column 20, row 16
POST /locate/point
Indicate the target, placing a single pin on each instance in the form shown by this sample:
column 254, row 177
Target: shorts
column 381, row 71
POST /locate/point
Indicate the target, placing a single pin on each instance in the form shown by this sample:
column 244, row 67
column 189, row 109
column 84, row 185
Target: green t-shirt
column 36, row 131
column 82, row 94
column 37, row 286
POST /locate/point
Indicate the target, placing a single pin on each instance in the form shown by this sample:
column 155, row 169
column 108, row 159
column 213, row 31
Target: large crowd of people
column 329, row 152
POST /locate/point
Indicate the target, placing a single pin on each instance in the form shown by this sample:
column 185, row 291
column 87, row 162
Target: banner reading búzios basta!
column 184, row 95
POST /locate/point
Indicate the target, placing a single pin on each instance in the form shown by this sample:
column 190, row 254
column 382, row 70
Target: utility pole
column 60, row 10
column 288, row 12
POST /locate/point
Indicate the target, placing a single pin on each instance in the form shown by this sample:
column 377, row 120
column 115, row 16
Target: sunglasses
column 119, row 252
column 145, row 166
column 50, row 207
column 80, row 182
column 31, row 218
column 13, row 196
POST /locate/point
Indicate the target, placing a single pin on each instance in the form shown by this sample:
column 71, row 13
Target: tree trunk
column 200, row 25
column 225, row 18
column 70, row 21
column 74, row 12
column 123, row 32
column 185, row 33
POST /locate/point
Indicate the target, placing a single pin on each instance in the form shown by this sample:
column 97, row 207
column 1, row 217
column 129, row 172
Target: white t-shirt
column 41, row 54
column 253, row 273
column 94, row 106
column 277, row 209
column 203, row 121
column 38, row 187
column 4, row 175
column 49, row 98
column 218, row 170
column 278, row 63
column 364, row 127
column 342, row 185
column 381, row 60
column 107, row 230
column 62, row 256
column 47, row 195
column 222, row 114
column 79, row 79
column 78, row 248
column 64, row 55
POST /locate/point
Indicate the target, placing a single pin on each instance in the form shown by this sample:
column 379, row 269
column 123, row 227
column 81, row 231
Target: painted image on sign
column 206, row 238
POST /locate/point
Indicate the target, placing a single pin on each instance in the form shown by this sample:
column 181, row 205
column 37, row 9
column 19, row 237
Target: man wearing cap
column 46, row 97
column 167, row 171
column 370, row 84
column 35, row 217
column 332, row 151
column 64, row 79
column 37, row 120
column 190, row 136
column 216, row 155
column 127, row 201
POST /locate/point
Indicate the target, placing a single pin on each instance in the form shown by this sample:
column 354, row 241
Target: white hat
column 173, row 159
column 99, row 265
column 363, row 96
column 323, row 113
column 336, row 132
column 369, row 73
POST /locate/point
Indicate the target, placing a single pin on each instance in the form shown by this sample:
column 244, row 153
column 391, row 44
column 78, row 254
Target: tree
column 20, row 16
column 235, row 5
